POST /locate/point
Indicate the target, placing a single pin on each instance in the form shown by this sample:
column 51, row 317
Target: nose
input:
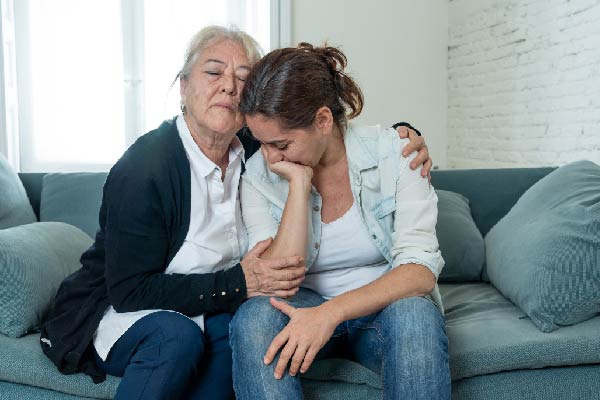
column 229, row 83
column 272, row 154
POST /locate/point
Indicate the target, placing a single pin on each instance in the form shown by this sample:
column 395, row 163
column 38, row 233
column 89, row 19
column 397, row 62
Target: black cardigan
column 144, row 219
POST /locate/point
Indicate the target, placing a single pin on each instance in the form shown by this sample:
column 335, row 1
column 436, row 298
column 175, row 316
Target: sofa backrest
column 33, row 186
column 491, row 192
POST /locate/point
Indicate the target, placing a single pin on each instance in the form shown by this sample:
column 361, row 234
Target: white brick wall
column 523, row 82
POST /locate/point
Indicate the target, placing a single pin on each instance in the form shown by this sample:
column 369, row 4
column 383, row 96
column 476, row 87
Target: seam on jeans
column 373, row 325
column 162, row 337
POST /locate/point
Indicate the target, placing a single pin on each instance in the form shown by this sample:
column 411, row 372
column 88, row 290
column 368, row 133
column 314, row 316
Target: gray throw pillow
column 34, row 259
column 460, row 241
column 73, row 198
column 544, row 255
column 15, row 208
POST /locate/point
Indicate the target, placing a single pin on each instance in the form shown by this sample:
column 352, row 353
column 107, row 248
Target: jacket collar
column 359, row 156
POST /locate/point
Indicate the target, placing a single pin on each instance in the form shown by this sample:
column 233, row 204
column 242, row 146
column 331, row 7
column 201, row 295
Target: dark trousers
column 167, row 356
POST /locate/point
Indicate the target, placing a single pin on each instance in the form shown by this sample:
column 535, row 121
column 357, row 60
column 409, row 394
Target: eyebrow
column 223, row 63
column 276, row 141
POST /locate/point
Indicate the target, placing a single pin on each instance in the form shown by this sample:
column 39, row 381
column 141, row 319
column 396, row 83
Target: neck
column 215, row 146
column 335, row 152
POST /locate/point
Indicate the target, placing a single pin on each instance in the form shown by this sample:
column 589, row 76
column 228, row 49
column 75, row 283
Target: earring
column 183, row 108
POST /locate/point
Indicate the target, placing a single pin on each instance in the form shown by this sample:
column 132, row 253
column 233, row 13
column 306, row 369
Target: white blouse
column 216, row 239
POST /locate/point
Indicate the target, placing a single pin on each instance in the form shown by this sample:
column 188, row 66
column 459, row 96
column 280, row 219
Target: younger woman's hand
column 307, row 332
column 290, row 171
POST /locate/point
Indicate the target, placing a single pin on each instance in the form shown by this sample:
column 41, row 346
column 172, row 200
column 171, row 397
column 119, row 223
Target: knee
column 255, row 324
column 179, row 337
column 415, row 320
column 413, row 315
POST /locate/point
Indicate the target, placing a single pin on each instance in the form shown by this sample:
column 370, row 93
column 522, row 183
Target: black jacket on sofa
column 144, row 219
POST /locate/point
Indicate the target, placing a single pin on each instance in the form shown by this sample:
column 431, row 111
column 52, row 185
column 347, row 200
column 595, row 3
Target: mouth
column 228, row 106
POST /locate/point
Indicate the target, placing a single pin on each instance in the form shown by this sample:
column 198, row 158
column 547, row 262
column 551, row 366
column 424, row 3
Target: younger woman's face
column 300, row 146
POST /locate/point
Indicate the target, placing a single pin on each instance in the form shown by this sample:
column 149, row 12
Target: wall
column 523, row 82
column 397, row 52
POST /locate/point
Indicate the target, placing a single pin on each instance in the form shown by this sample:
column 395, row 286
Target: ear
column 324, row 120
column 182, row 87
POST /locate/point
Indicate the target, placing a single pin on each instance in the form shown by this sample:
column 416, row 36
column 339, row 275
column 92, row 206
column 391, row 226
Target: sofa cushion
column 560, row 383
column 460, row 241
column 15, row 208
column 9, row 390
column 544, row 255
column 34, row 259
column 22, row 361
column 73, row 198
column 488, row 334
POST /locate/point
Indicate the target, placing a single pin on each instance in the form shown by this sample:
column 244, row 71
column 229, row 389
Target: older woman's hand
column 279, row 277
column 417, row 143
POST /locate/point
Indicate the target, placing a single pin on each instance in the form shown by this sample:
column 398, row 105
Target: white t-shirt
column 348, row 258
column 216, row 239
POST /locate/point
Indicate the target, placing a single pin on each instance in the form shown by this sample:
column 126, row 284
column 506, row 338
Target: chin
column 229, row 129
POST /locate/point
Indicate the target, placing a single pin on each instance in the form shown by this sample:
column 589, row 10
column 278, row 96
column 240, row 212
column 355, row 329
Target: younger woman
column 341, row 197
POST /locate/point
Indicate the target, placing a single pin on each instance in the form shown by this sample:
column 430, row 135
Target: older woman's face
column 211, row 92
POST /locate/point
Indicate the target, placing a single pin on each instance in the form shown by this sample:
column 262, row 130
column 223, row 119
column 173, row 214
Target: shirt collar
column 202, row 163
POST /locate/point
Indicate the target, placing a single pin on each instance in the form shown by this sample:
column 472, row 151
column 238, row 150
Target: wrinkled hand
column 279, row 277
column 307, row 332
column 417, row 143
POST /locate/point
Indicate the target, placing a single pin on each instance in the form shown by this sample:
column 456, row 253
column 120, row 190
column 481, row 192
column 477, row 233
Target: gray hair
column 212, row 34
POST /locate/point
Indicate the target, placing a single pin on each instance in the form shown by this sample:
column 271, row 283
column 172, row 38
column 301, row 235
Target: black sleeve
column 138, row 243
column 406, row 124
column 250, row 144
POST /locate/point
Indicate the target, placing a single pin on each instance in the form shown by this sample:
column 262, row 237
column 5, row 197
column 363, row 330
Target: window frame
column 16, row 129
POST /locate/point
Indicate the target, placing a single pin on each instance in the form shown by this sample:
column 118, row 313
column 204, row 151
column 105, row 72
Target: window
column 93, row 75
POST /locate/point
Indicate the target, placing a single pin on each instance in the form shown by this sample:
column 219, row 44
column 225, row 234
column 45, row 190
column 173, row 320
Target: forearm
column 191, row 295
column 292, row 234
column 407, row 280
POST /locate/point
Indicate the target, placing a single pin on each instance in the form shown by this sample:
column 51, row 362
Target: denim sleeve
column 414, row 239
column 259, row 221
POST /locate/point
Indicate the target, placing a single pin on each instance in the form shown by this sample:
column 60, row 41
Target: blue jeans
column 405, row 342
column 167, row 356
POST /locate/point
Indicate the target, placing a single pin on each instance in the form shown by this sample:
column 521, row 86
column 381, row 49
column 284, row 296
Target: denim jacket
column 397, row 206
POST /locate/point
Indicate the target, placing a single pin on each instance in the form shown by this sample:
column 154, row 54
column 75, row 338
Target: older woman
column 340, row 196
column 154, row 297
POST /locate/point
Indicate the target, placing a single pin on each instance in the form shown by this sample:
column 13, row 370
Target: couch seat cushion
column 22, row 361
column 489, row 334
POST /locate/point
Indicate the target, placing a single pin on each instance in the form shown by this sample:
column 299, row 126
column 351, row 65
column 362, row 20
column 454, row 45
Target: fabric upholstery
column 32, row 181
column 489, row 334
column 15, row 208
column 460, row 241
column 9, row 390
column 491, row 192
column 34, row 259
column 544, row 255
column 573, row 383
column 22, row 361
column 73, row 198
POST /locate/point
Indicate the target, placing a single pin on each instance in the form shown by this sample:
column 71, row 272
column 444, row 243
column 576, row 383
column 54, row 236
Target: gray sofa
column 496, row 352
